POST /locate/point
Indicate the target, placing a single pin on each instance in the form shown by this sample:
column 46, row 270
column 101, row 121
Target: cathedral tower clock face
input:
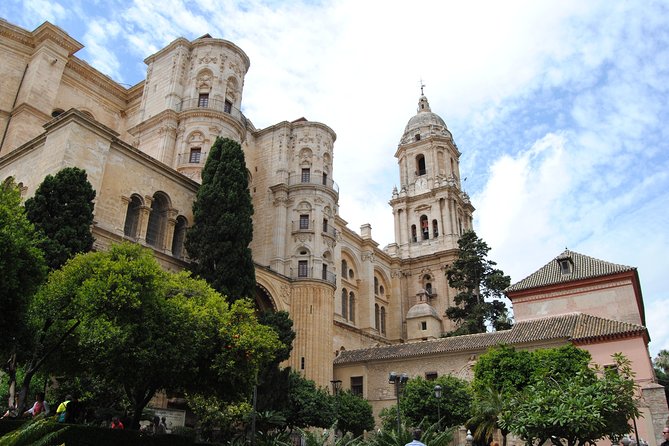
column 421, row 184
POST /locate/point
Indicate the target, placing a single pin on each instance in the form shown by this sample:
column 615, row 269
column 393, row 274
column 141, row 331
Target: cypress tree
column 62, row 210
column 218, row 242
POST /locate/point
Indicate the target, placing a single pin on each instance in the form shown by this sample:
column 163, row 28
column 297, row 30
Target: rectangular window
column 227, row 106
column 304, row 221
column 325, row 179
column 195, row 154
column 306, row 175
column 302, row 363
column 423, row 325
column 203, row 100
column 302, row 269
column 430, row 376
column 325, row 225
column 325, row 272
column 356, row 385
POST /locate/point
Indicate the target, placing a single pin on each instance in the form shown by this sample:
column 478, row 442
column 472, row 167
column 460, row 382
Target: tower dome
column 424, row 124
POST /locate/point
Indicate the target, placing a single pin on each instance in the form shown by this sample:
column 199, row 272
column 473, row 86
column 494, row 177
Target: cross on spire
column 422, row 85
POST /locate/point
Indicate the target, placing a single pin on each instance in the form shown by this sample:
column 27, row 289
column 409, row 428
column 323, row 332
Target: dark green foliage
column 219, row 239
column 62, row 210
column 579, row 410
column 432, row 435
column 418, row 401
column 479, row 286
column 354, row 413
column 281, row 323
column 22, row 267
column 661, row 366
column 309, row 405
column 504, row 369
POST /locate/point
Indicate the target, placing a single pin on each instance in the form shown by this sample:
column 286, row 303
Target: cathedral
column 359, row 310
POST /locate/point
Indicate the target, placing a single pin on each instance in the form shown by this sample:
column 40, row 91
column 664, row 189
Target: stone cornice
column 154, row 122
column 47, row 31
column 98, row 79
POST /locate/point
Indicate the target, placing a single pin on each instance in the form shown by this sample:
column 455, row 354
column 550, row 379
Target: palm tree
column 487, row 408
column 661, row 361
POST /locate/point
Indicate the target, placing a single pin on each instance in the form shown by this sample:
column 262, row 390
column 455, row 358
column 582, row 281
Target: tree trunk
column 140, row 399
column 11, row 372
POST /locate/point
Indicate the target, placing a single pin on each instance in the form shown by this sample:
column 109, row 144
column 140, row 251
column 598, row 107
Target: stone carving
column 207, row 59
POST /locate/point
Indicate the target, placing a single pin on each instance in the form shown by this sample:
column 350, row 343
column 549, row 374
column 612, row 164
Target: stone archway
column 263, row 300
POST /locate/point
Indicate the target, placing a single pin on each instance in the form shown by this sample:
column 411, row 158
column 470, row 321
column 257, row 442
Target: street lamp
column 336, row 385
column 398, row 380
column 437, row 395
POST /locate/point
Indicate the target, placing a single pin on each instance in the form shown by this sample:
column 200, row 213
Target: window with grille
column 195, row 155
column 304, row 221
column 203, row 100
column 306, row 175
column 302, row 269
column 356, row 385
column 227, row 106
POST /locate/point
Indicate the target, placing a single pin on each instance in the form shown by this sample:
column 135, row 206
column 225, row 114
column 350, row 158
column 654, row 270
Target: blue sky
column 560, row 108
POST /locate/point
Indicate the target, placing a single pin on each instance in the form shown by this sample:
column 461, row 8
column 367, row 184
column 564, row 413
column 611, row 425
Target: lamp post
column 437, row 395
column 398, row 381
column 336, row 385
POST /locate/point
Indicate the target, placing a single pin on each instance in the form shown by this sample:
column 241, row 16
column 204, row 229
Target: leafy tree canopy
column 479, row 285
column 22, row 266
column 581, row 409
column 418, row 401
column 140, row 328
column 309, row 405
column 62, row 209
column 354, row 414
column 219, row 239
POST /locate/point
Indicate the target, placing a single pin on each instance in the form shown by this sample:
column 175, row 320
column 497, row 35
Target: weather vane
column 422, row 85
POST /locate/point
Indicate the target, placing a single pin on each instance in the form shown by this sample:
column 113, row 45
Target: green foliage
column 62, row 210
column 661, row 366
column 354, row 413
column 480, row 287
column 432, row 435
column 418, row 402
column 40, row 432
column 22, row 266
column 488, row 405
column 281, row 323
column 217, row 418
column 504, row 369
column 219, row 239
column 580, row 409
column 308, row 404
column 139, row 328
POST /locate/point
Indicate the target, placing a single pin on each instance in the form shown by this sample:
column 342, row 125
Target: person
column 116, row 423
column 665, row 435
column 416, row 438
column 37, row 408
column 61, row 411
column 158, row 427
column 73, row 411
column 163, row 422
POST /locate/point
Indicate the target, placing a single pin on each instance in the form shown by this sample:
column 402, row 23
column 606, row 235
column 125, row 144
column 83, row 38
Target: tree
column 354, row 414
column 661, row 366
column 62, row 209
column 580, row 410
column 309, row 405
column 418, row 401
column 503, row 372
column 22, row 269
column 119, row 317
column 219, row 239
column 480, row 287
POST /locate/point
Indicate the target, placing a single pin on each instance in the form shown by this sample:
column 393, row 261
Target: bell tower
column 431, row 211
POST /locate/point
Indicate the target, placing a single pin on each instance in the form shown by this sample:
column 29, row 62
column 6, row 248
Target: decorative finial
column 422, row 85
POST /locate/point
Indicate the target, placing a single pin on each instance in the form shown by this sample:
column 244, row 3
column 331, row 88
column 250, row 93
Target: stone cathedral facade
column 359, row 310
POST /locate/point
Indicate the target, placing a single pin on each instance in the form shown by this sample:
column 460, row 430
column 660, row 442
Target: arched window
column 344, row 303
column 132, row 217
column 413, row 233
column 383, row 320
column 424, row 227
column 420, row 165
column 155, row 232
column 179, row 236
column 377, row 315
column 435, row 229
column 344, row 269
column 376, row 285
column 351, row 306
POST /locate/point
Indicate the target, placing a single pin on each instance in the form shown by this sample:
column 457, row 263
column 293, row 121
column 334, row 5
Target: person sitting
column 61, row 411
column 116, row 423
column 37, row 408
